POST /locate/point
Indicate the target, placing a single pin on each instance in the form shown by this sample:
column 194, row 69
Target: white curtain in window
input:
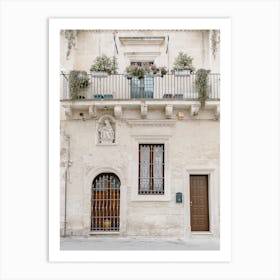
column 144, row 167
column 158, row 168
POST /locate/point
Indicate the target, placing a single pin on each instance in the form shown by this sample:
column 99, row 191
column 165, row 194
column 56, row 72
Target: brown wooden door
column 199, row 203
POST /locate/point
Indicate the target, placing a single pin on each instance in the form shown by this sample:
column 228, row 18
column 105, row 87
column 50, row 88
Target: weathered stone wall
column 192, row 143
column 91, row 43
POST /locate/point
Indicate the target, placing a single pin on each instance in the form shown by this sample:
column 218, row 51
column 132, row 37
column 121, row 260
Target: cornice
column 151, row 122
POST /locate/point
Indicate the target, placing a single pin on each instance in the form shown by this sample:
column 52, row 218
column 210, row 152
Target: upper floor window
column 151, row 169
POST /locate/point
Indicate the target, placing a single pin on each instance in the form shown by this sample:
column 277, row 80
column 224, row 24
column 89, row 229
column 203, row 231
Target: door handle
column 190, row 203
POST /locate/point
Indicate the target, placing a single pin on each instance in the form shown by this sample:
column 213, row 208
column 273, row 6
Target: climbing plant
column 202, row 85
column 215, row 40
column 77, row 81
column 70, row 36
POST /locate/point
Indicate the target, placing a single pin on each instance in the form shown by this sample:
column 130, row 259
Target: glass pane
column 144, row 167
column 142, row 88
column 149, row 87
column 158, row 168
column 135, row 88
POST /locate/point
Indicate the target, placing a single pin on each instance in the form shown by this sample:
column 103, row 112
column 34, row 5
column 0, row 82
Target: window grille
column 105, row 203
column 151, row 169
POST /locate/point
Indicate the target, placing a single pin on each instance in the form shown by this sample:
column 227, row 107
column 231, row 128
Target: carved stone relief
column 106, row 131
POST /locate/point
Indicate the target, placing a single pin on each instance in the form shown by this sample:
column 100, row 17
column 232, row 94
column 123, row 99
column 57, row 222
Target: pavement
column 137, row 243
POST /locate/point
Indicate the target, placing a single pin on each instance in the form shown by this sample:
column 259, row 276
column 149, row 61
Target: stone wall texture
column 190, row 144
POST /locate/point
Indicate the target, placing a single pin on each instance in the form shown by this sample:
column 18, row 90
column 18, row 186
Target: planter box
column 158, row 74
column 99, row 74
column 81, row 97
column 182, row 73
column 178, row 96
column 98, row 96
column 108, row 96
column 168, row 95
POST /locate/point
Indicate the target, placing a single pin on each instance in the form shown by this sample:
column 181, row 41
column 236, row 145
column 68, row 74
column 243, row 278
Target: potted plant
column 183, row 65
column 202, row 85
column 146, row 70
column 77, row 80
column 135, row 71
column 104, row 66
column 130, row 71
column 107, row 224
column 163, row 71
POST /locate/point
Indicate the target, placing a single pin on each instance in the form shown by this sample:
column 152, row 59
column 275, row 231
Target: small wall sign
column 179, row 197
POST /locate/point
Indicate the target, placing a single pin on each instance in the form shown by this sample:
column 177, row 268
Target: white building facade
column 140, row 158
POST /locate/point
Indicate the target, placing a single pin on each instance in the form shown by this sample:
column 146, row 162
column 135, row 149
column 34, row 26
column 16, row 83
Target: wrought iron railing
column 119, row 87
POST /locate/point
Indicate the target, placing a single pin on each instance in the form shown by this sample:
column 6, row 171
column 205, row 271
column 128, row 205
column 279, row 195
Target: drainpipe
column 167, row 51
column 65, row 201
column 66, row 175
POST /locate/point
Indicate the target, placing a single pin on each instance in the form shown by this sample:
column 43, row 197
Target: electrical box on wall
column 179, row 197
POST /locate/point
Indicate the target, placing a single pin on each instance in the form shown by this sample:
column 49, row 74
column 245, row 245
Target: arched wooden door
column 105, row 203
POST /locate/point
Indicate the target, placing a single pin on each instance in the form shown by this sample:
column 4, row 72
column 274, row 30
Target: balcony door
column 142, row 88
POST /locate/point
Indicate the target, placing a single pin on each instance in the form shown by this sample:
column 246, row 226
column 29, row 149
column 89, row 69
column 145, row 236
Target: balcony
column 119, row 87
column 117, row 92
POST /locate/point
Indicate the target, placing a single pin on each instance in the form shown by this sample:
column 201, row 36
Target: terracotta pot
column 107, row 224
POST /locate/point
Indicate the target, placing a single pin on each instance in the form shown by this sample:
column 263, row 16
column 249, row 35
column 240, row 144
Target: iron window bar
column 151, row 169
column 105, row 203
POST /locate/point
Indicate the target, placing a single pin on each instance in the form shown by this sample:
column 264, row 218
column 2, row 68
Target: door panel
column 199, row 203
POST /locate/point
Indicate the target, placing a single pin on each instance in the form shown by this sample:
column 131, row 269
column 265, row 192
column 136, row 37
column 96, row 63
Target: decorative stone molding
column 142, row 56
column 151, row 122
column 211, row 171
column 68, row 112
column 148, row 138
column 194, row 109
column 217, row 112
column 91, row 173
column 118, row 111
column 214, row 105
column 144, row 110
column 142, row 40
column 92, row 111
column 168, row 111
column 106, row 130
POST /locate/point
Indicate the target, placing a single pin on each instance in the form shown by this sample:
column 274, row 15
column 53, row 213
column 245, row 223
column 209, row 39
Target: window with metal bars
column 105, row 203
column 151, row 169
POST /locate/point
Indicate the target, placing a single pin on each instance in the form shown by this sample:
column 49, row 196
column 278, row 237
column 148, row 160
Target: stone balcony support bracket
column 194, row 109
column 217, row 112
column 215, row 106
column 168, row 111
column 68, row 112
column 118, row 111
column 144, row 110
column 92, row 111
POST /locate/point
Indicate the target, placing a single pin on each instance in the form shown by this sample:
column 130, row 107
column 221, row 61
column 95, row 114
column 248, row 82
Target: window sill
column 150, row 197
column 104, row 232
column 195, row 233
